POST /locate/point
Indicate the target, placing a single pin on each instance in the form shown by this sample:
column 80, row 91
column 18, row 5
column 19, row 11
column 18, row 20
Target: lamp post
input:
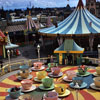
column 8, row 53
column 38, row 49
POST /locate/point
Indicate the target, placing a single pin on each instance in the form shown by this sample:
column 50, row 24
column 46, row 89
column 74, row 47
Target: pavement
column 30, row 52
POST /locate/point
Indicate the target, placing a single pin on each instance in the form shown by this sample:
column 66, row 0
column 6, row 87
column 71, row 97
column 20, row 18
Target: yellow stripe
column 3, row 89
column 79, row 95
column 10, row 82
column 2, row 98
column 68, row 51
column 95, row 94
column 60, row 52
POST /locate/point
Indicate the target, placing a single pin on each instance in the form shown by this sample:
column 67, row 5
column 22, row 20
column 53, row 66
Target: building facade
column 94, row 7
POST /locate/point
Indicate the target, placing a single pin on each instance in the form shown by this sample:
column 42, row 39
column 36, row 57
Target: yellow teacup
column 98, row 70
column 41, row 74
column 60, row 88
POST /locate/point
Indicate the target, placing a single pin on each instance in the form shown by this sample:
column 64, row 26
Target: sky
column 22, row 4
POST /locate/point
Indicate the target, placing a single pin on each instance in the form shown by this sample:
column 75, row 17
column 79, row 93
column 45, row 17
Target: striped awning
column 15, row 28
column 81, row 21
column 69, row 46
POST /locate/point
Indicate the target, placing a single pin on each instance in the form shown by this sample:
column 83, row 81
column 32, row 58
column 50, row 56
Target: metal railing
column 14, row 65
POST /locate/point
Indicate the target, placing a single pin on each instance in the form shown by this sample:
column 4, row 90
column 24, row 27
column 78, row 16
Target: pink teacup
column 26, row 84
column 51, row 96
column 55, row 70
column 70, row 74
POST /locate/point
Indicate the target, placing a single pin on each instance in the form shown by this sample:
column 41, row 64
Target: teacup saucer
column 9, row 98
column 34, row 69
column 48, row 70
column 37, row 80
column 66, row 79
column 92, row 85
column 55, row 76
column 43, row 88
column 67, row 92
column 95, row 74
column 20, row 78
column 81, row 87
column 86, row 74
column 57, row 99
column 31, row 89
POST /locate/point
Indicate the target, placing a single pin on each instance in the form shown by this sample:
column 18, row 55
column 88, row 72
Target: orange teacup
column 37, row 65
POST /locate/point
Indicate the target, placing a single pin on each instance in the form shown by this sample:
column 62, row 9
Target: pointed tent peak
column 1, row 34
column 29, row 13
column 80, row 4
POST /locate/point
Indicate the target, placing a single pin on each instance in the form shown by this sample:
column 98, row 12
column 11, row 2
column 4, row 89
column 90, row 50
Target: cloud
column 38, row 3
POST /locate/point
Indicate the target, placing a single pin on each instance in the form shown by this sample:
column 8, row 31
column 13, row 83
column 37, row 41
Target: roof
column 15, row 28
column 9, row 44
column 69, row 46
column 80, row 21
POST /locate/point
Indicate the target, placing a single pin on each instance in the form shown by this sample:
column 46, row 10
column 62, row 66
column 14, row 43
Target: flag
column 90, row 24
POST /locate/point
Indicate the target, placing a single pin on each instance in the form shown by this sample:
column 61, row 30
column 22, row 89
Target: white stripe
column 93, row 26
column 93, row 19
column 64, row 28
column 64, row 22
column 74, row 27
column 84, row 27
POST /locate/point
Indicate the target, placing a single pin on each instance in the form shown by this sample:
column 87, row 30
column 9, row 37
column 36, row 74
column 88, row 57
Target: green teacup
column 47, row 82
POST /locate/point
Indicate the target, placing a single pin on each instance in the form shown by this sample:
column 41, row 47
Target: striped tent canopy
column 69, row 46
column 80, row 21
column 30, row 23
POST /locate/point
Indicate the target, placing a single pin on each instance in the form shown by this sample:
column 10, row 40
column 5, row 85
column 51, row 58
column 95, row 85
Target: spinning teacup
column 51, row 96
column 60, row 88
column 37, row 65
column 97, row 81
column 55, row 70
column 26, row 84
column 70, row 74
column 41, row 74
column 14, row 92
column 78, row 80
column 98, row 70
column 47, row 82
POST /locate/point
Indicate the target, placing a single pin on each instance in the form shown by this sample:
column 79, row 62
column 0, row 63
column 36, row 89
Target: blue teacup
column 14, row 94
column 78, row 80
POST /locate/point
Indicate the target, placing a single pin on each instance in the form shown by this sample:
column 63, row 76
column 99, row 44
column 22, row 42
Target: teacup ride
column 83, row 71
column 96, row 84
column 25, row 97
column 14, row 93
column 61, row 89
column 69, row 75
column 47, row 84
column 50, row 65
column 24, row 73
column 27, row 85
column 38, row 66
column 55, row 72
column 40, row 75
column 97, row 73
column 77, row 83
column 51, row 96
